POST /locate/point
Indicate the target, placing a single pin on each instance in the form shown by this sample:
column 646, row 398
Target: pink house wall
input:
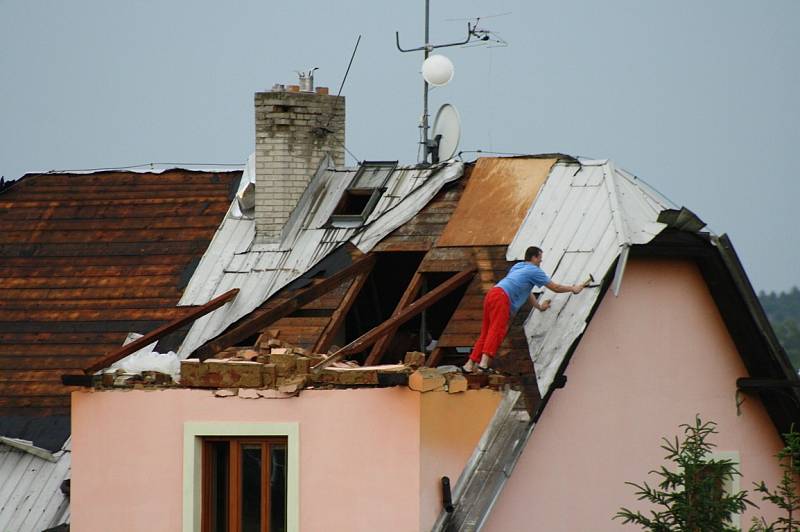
column 361, row 452
column 649, row 361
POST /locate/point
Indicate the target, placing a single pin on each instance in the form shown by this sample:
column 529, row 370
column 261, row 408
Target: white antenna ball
column 437, row 70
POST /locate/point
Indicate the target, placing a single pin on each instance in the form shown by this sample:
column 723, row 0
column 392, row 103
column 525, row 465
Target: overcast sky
column 698, row 98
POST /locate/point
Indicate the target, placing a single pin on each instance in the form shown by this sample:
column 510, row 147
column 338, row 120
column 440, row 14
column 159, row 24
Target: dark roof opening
column 363, row 192
column 354, row 202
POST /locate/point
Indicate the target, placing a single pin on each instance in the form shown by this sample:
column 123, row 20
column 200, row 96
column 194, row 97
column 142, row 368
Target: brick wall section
column 294, row 130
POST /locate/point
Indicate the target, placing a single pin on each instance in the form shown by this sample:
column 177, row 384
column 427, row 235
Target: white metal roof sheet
column 584, row 216
column 30, row 489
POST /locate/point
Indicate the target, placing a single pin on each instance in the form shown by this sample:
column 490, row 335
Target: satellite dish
column 446, row 133
column 437, row 70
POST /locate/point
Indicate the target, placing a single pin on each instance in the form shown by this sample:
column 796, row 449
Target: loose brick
column 268, row 374
column 190, row 372
column 227, row 374
column 414, row 359
column 285, row 363
column 248, row 354
column 349, row 376
column 302, row 365
column 426, row 380
column 456, row 383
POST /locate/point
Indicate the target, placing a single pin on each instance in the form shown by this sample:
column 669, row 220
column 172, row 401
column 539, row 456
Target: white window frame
column 731, row 485
column 193, row 434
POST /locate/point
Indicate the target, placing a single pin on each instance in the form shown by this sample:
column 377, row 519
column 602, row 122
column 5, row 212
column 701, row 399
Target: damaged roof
column 588, row 216
column 87, row 258
column 233, row 260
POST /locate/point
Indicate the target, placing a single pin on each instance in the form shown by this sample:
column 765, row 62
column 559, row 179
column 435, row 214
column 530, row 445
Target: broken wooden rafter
column 162, row 331
column 252, row 325
column 326, row 338
column 406, row 314
column 408, row 296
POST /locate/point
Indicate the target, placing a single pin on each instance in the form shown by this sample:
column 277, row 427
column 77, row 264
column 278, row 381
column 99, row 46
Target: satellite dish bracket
column 433, row 148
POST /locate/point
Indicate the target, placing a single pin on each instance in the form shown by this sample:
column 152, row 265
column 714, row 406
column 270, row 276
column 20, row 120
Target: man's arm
column 562, row 288
column 544, row 305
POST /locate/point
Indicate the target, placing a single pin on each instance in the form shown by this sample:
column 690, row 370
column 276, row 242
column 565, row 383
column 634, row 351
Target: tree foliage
column 690, row 496
column 785, row 495
column 783, row 311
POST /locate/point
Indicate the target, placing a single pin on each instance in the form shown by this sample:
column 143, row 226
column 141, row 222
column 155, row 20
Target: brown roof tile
column 86, row 258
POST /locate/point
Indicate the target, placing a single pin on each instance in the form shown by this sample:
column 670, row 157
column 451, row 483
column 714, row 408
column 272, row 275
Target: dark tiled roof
column 87, row 258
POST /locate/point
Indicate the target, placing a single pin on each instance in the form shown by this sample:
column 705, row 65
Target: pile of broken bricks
column 274, row 368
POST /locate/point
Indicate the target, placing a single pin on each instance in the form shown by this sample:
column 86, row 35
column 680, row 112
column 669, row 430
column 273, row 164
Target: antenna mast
column 429, row 145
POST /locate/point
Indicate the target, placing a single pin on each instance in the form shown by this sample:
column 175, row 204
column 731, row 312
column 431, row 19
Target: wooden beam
column 436, row 357
column 252, row 325
column 408, row 296
column 326, row 338
column 152, row 336
column 749, row 383
column 406, row 314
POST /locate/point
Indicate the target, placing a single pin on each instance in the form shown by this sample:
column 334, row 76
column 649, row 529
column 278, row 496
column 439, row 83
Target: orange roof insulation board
column 497, row 196
column 87, row 258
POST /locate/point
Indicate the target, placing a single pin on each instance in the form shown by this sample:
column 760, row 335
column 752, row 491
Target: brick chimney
column 294, row 131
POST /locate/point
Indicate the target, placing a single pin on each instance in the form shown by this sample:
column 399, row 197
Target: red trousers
column 496, row 313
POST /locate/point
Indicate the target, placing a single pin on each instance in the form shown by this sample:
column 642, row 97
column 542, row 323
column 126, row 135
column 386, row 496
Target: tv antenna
column 437, row 70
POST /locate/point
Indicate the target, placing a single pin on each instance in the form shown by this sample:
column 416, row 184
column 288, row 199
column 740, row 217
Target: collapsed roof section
column 583, row 214
column 384, row 260
column 261, row 270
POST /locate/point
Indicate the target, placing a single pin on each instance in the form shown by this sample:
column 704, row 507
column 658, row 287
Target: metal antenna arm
column 465, row 41
column 397, row 38
column 434, row 46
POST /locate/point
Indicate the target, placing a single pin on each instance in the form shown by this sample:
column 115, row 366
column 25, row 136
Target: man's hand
column 544, row 305
column 578, row 288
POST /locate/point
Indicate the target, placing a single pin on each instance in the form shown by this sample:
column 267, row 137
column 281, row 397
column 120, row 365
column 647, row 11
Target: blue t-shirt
column 519, row 282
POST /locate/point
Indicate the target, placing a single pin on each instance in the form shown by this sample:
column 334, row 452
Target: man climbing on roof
column 505, row 299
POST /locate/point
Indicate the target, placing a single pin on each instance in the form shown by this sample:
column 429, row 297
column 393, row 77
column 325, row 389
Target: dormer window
column 363, row 193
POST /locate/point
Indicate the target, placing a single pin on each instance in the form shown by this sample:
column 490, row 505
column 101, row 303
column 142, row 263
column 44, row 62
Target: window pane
column 277, row 489
column 372, row 176
column 219, row 486
column 251, row 488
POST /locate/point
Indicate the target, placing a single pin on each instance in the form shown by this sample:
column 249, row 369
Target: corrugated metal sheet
column 260, row 270
column 584, row 216
column 30, row 489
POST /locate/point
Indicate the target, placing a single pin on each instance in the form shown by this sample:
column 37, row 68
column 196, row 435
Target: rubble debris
column 292, row 385
column 426, row 380
column 248, row 393
column 268, row 375
column 414, row 359
column 456, row 382
column 496, row 380
column 273, row 368
column 215, row 373
column 285, row 362
column 349, row 376
column 248, row 354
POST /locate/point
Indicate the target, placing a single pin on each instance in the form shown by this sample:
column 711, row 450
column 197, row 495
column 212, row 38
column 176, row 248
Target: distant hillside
column 783, row 310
